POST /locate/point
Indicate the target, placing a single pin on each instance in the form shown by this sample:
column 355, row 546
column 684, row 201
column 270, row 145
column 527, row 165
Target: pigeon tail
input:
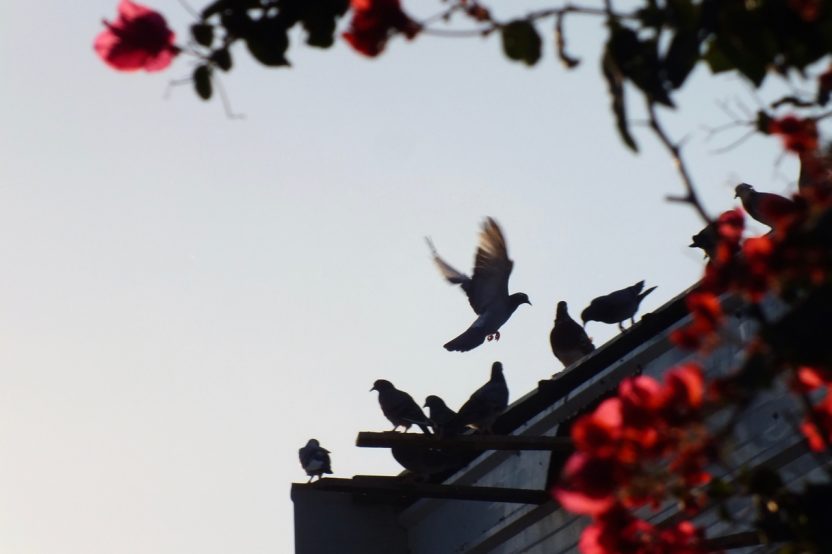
column 645, row 293
column 470, row 339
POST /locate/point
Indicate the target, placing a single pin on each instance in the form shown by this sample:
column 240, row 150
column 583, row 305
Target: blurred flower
column 139, row 39
column 374, row 22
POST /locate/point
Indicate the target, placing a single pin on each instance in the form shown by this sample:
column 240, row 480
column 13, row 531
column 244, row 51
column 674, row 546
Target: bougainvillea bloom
column 139, row 39
column 588, row 485
column 798, row 135
column 707, row 317
column 374, row 22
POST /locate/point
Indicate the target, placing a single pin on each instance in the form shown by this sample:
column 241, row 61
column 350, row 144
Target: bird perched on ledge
column 568, row 339
column 439, row 414
column 314, row 459
column 399, row 407
column 482, row 408
column 617, row 306
column 766, row 207
column 487, row 290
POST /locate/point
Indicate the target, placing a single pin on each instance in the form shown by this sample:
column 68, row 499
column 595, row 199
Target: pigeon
column 399, row 407
column 487, row 290
column 425, row 462
column 487, row 402
column 706, row 239
column 569, row 341
column 440, row 415
column 767, row 208
column 314, row 459
column 616, row 306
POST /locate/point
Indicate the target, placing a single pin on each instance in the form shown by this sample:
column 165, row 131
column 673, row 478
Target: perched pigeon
column 616, row 306
column 440, row 415
column 569, row 341
column 314, row 459
column 705, row 239
column 425, row 462
column 487, row 290
column 399, row 407
column 487, row 402
column 767, row 208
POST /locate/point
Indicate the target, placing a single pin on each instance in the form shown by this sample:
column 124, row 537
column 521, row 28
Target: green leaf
column 521, row 42
column 615, row 83
column 203, row 33
column 202, row 82
column 267, row 40
column 222, row 59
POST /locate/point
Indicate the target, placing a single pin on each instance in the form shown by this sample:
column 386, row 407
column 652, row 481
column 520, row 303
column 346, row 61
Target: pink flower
column 139, row 39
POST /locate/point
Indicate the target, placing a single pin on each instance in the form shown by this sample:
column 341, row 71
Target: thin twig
column 691, row 197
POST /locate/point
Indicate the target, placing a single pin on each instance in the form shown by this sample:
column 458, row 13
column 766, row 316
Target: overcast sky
column 185, row 299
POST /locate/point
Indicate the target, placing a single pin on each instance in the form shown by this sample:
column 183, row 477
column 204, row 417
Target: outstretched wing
column 452, row 275
column 492, row 268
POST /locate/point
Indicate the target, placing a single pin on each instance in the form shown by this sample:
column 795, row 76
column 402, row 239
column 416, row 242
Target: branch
column 675, row 152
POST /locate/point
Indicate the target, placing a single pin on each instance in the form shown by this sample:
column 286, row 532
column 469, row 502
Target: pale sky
column 186, row 299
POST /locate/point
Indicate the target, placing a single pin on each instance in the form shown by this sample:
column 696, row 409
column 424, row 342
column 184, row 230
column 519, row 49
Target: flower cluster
column 798, row 135
column 139, row 39
column 633, row 450
column 374, row 22
column 617, row 531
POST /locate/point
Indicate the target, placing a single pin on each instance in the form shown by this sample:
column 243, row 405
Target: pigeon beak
column 372, row 389
column 691, row 245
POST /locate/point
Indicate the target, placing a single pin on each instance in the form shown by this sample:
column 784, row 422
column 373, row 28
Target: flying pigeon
column 569, row 341
column 616, row 306
column 440, row 415
column 767, row 208
column 487, row 402
column 399, row 407
column 487, row 290
column 314, row 459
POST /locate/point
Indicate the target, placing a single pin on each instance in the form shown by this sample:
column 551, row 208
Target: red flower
column 139, row 39
column 811, row 378
column 587, row 485
column 707, row 317
column 598, row 433
column 798, row 135
column 822, row 414
column 807, row 10
column 374, row 22
column 686, row 387
column 619, row 532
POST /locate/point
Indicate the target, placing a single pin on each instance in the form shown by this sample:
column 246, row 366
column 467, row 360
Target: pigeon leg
column 310, row 479
column 489, row 338
column 632, row 321
column 497, row 335
column 620, row 327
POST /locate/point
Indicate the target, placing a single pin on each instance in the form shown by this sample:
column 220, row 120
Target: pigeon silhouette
column 487, row 290
column 568, row 339
column 399, row 407
column 314, row 459
column 616, row 306
column 487, row 402
column 439, row 414
column 706, row 239
column 767, row 208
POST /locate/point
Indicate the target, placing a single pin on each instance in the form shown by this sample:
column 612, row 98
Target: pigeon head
column 496, row 369
column 382, row 385
column 519, row 298
column 743, row 190
column 434, row 402
column 561, row 311
column 589, row 314
column 313, row 443
column 638, row 286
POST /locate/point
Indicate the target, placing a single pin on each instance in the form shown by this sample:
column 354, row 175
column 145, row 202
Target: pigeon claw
column 497, row 335
column 489, row 338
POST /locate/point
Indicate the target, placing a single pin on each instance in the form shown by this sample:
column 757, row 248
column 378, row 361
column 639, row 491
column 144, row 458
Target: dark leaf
column 203, row 33
column 681, row 58
column 202, row 82
column 638, row 61
column 716, row 59
column 267, row 40
column 521, row 42
column 615, row 83
column 222, row 58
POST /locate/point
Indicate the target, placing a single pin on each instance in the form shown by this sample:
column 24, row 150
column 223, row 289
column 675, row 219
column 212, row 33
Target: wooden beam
column 730, row 542
column 463, row 442
column 372, row 485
